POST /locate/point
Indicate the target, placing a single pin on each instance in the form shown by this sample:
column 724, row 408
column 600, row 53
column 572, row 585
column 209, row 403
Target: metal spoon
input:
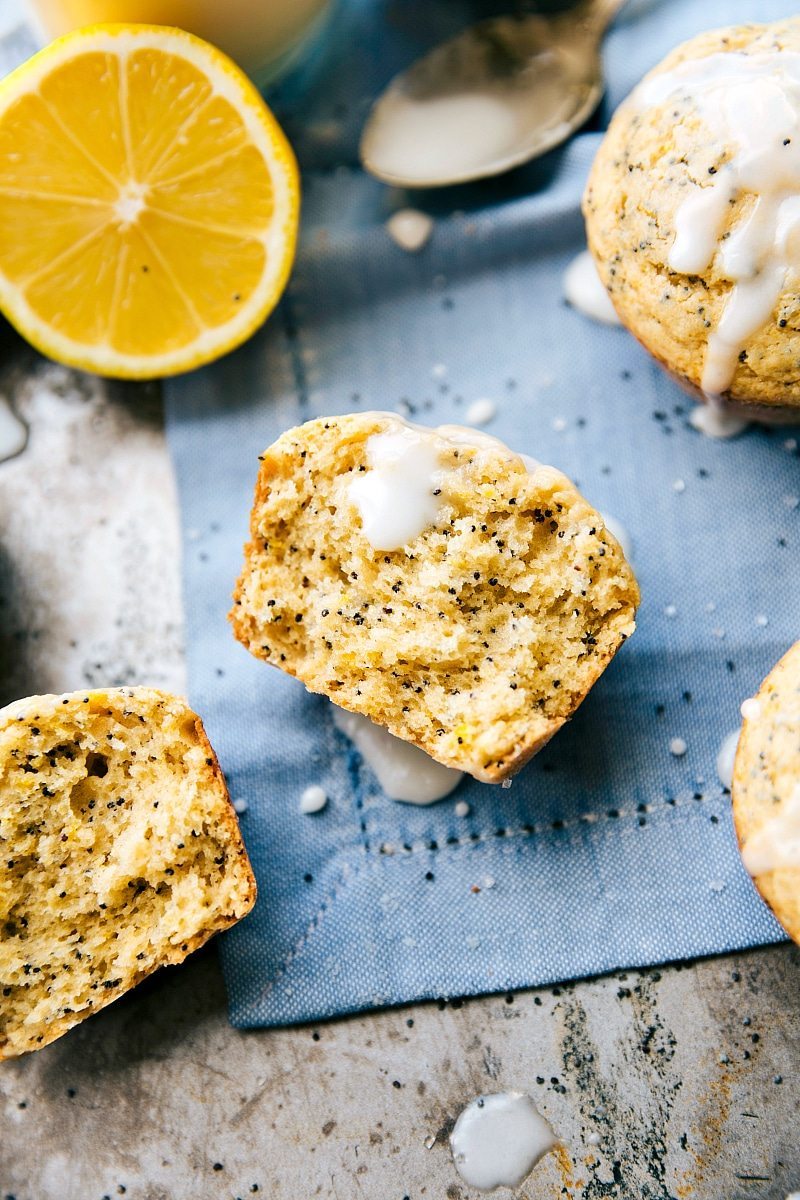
column 502, row 92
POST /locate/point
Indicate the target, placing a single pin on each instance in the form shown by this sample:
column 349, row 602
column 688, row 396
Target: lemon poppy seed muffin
column 766, row 790
column 120, row 850
column 692, row 216
column 431, row 581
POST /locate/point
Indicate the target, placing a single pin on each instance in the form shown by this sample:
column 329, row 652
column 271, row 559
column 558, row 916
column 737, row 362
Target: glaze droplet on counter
column 13, row 432
column 751, row 708
column 313, row 799
column 751, row 104
column 586, row 292
column 404, row 771
column 410, row 229
column 480, row 412
column 498, row 1140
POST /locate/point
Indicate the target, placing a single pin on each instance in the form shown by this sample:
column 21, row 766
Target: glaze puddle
column 726, row 757
column 619, row 531
column 713, row 421
column 404, row 771
column 498, row 1140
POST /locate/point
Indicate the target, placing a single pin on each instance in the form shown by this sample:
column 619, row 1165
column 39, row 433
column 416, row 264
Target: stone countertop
column 675, row 1082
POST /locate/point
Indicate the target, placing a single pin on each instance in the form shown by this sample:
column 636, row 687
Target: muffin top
column 693, row 212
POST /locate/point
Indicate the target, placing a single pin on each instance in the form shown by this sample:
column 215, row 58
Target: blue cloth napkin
column 609, row 851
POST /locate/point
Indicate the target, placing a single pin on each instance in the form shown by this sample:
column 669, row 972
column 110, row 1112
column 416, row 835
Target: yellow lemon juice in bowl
column 265, row 37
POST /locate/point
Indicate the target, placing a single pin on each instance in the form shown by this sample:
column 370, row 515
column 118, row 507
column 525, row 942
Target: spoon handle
column 602, row 13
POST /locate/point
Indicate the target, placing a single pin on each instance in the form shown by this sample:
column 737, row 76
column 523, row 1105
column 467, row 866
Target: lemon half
column 148, row 202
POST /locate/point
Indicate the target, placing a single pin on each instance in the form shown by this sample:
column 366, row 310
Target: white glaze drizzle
column 404, row 771
column 462, row 435
column 397, row 498
column 498, row 1140
column 751, row 103
column 584, row 290
column 776, row 844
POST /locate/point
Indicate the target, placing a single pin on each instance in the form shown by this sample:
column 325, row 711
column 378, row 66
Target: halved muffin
column 434, row 581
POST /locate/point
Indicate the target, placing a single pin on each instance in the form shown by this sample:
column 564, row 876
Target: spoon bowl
column 500, row 93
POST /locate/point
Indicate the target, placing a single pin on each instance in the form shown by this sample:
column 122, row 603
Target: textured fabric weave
column 609, row 850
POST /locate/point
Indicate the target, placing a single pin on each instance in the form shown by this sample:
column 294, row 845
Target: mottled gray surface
column 687, row 1074
column 89, row 587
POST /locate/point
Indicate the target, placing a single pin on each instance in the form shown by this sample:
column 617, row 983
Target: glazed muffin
column 692, row 216
column 766, row 790
column 431, row 581
column 121, row 853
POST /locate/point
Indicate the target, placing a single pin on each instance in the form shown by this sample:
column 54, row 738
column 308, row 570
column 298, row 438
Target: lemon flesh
column 148, row 202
